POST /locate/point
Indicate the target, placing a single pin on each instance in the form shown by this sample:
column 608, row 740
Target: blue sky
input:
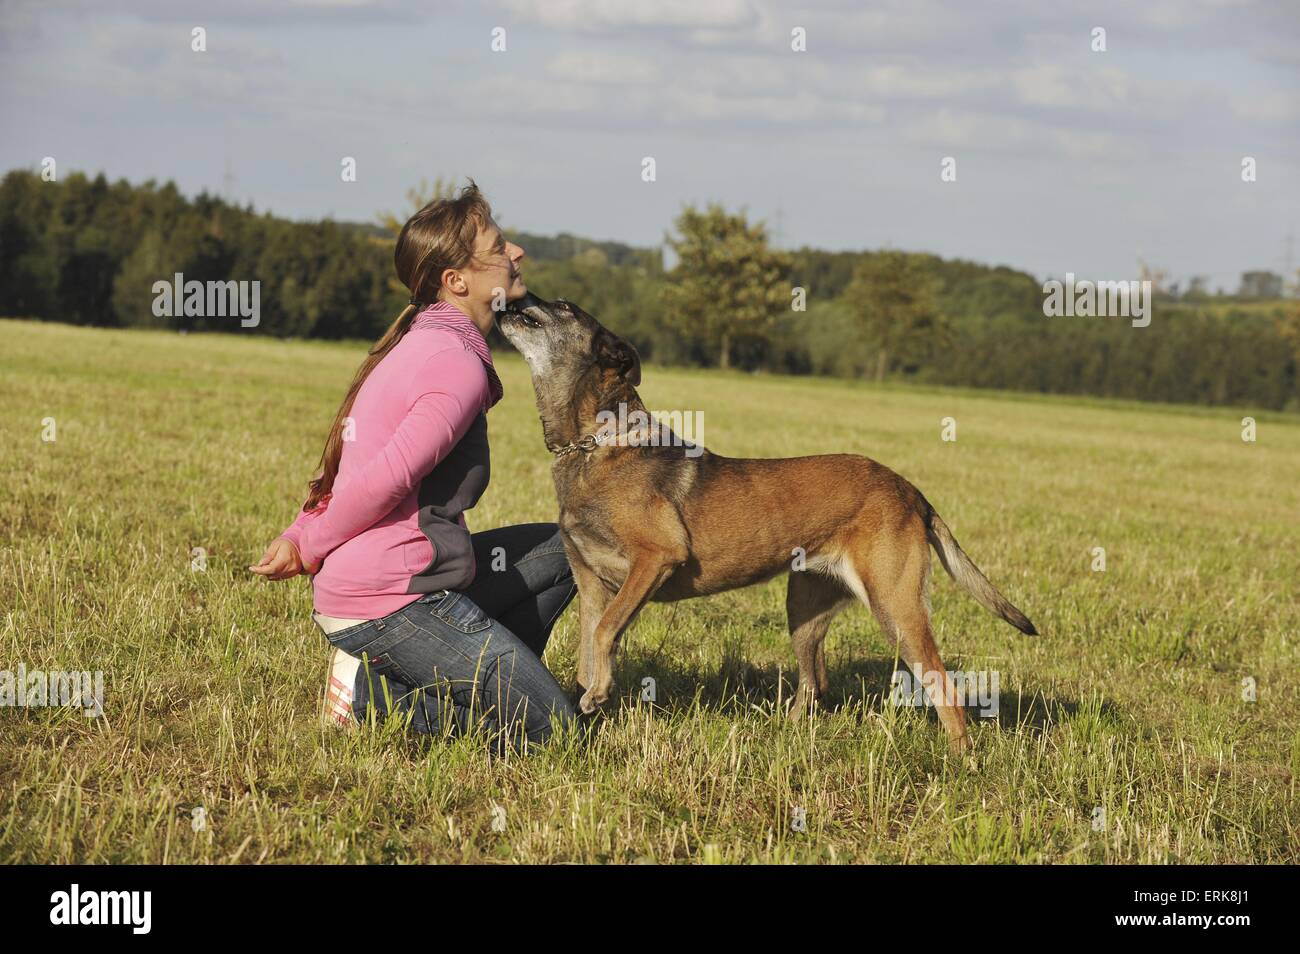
column 1067, row 160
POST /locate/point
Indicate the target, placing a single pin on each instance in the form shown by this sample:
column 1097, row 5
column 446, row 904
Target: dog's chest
column 598, row 550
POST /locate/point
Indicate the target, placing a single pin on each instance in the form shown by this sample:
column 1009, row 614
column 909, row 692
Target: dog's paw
column 805, row 704
column 962, row 748
column 597, row 694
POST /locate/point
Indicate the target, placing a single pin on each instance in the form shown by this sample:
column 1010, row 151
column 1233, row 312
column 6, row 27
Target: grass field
column 1130, row 701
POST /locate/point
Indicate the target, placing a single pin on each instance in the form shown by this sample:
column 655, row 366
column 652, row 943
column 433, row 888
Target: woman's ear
column 454, row 281
column 611, row 351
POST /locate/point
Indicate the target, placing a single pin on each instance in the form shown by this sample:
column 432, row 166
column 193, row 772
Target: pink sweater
column 393, row 527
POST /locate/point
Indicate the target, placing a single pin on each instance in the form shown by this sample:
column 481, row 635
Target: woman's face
column 495, row 269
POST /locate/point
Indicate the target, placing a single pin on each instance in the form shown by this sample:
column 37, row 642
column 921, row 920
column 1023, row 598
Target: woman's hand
column 281, row 561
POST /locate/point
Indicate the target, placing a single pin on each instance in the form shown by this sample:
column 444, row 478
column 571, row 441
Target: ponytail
column 329, row 459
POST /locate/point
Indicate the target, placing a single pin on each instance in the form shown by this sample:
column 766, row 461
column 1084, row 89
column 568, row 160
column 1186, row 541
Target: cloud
column 1280, row 106
column 954, row 131
column 1053, row 85
column 156, row 61
column 238, row 12
column 924, row 81
column 602, row 68
column 951, row 129
column 595, row 16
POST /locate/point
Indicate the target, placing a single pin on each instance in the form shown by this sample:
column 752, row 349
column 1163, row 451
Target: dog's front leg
column 593, row 597
column 649, row 570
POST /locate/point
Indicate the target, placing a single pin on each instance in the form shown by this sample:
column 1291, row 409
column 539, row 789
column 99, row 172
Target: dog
column 641, row 520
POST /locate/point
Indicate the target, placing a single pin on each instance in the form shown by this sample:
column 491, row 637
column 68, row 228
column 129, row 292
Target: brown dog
column 642, row 519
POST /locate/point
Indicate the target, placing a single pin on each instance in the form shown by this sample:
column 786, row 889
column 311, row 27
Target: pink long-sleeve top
column 414, row 459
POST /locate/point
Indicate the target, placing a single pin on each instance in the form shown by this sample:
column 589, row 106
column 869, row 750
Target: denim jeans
column 456, row 661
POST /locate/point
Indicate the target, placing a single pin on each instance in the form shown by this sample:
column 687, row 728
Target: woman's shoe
column 338, row 689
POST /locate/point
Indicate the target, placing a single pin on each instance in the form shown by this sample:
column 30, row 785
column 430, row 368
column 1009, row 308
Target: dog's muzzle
column 529, row 311
column 523, row 305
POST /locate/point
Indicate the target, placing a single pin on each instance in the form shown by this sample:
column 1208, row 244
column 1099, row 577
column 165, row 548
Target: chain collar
column 589, row 443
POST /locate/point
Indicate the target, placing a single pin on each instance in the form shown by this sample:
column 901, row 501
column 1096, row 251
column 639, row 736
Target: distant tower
column 228, row 183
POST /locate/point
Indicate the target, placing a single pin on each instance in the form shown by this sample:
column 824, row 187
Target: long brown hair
column 438, row 237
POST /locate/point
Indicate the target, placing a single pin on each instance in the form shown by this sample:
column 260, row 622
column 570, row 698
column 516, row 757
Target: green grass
column 1130, row 700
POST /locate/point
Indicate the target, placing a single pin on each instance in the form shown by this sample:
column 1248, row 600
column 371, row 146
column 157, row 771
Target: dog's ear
column 611, row 351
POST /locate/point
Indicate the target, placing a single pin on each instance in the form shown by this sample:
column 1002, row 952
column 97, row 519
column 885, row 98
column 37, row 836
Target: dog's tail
column 968, row 576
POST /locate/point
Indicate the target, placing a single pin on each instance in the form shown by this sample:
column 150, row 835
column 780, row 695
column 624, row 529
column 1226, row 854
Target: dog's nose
column 529, row 301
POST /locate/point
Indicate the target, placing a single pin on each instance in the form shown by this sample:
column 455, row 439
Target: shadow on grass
column 737, row 685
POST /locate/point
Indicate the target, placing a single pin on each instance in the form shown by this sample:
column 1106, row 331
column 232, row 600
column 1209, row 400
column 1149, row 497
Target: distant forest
column 88, row 251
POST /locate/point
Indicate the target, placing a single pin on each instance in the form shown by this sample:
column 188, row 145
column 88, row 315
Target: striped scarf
column 447, row 316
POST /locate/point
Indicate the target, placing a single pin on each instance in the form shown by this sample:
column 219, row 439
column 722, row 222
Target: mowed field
column 1123, row 734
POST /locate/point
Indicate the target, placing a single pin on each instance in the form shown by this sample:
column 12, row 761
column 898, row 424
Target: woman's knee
column 528, row 694
column 548, row 716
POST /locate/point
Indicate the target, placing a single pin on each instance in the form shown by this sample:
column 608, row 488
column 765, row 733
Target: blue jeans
column 456, row 661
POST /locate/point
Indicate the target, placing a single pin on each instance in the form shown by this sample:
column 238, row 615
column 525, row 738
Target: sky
column 1067, row 159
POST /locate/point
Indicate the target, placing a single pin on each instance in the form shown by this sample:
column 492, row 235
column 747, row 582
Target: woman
column 443, row 626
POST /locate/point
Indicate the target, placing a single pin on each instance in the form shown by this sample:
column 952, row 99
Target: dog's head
column 557, row 338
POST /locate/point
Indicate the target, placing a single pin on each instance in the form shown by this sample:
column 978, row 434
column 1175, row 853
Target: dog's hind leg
column 894, row 570
column 811, row 602
column 823, row 681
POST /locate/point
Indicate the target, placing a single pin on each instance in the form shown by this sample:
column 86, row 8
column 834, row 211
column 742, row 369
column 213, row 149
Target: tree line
column 87, row 251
